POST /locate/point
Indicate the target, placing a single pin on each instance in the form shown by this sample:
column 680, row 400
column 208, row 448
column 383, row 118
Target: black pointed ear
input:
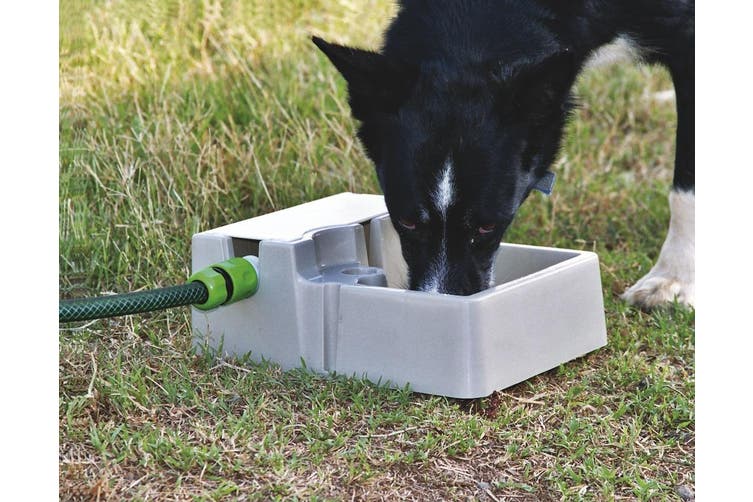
column 376, row 84
column 504, row 73
column 535, row 87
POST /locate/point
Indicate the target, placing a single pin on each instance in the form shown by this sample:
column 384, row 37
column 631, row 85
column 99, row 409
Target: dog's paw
column 657, row 290
column 673, row 277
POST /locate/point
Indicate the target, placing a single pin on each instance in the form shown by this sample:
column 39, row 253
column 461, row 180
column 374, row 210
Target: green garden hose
column 219, row 284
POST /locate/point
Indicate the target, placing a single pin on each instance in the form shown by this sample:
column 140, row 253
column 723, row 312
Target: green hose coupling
column 228, row 281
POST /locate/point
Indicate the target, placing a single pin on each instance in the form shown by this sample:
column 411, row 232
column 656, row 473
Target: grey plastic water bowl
column 327, row 297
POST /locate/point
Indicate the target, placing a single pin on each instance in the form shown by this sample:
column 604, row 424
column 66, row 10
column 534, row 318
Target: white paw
column 656, row 290
column 673, row 276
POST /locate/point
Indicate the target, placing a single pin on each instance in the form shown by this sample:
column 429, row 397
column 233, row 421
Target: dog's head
column 456, row 152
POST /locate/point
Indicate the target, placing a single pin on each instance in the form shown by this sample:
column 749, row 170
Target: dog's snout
column 456, row 282
column 459, row 290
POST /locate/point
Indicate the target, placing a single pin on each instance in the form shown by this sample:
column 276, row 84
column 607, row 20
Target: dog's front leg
column 673, row 276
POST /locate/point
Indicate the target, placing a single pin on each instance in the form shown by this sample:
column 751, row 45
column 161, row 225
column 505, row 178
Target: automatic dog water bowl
column 324, row 299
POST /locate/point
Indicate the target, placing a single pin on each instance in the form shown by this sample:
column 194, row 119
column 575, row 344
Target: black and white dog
column 463, row 110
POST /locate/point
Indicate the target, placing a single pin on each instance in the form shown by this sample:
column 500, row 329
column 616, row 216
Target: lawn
column 179, row 116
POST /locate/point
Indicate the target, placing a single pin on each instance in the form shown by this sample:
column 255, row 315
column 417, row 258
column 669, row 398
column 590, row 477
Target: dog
column 462, row 114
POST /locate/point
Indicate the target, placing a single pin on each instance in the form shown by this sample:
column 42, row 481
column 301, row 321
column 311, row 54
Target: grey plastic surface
column 322, row 299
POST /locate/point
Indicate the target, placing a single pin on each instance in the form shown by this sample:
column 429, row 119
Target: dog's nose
column 459, row 290
column 464, row 291
column 458, row 281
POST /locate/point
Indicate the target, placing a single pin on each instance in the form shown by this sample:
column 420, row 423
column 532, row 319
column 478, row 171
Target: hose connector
column 228, row 281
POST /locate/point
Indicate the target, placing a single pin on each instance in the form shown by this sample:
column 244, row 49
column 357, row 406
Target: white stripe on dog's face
column 442, row 197
column 444, row 194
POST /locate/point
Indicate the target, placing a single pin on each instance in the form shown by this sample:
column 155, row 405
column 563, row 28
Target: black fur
column 487, row 85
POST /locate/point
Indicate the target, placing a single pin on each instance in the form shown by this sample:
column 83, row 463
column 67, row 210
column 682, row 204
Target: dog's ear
column 376, row 84
column 534, row 87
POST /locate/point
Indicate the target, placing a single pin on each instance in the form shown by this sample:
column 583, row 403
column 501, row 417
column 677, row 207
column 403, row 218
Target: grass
column 178, row 116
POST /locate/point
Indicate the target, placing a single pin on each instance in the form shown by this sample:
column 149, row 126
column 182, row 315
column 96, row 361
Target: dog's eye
column 407, row 224
column 486, row 229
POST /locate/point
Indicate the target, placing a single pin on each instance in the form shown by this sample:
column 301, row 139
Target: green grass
column 178, row 116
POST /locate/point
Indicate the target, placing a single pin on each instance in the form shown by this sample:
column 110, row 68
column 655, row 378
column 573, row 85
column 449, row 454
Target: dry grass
column 178, row 116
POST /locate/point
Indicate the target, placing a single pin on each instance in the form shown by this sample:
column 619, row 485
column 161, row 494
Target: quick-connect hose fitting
column 228, row 281
column 219, row 284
